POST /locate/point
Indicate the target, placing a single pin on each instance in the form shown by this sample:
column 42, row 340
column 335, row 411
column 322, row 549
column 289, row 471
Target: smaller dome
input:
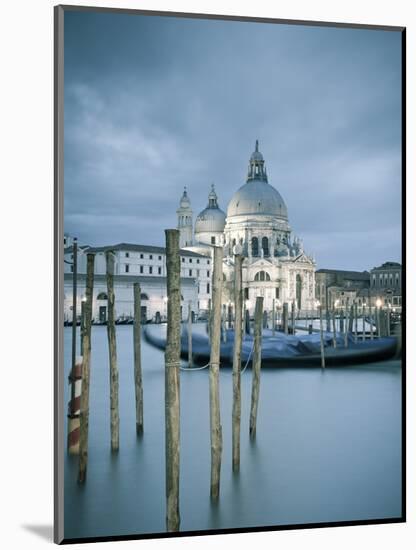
column 212, row 218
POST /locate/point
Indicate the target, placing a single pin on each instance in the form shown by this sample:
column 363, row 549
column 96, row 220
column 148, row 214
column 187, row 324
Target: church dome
column 212, row 218
column 257, row 196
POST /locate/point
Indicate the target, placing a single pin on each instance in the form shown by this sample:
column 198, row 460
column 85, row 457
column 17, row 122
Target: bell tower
column 185, row 222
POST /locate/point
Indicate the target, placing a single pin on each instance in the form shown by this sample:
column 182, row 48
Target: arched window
column 255, row 246
column 144, row 296
column 262, row 276
column 102, row 296
column 224, row 278
column 265, row 245
column 234, row 242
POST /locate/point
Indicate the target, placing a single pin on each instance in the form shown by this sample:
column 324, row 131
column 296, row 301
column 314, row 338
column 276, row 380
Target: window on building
column 159, row 270
column 246, row 293
column 190, row 272
column 150, row 269
column 102, row 296
column 190, row 260
column 265, row 246
column 144, row 296
column 197, row 261
column 150, row 256
column 207, row 288
column 141, row 269
column 207, row 262
column 183, row 260
column 127, row 254
column 159, row 257
column 141, row 256
column 212, row 239
column 262, row 276
column 254, row 246
column 277, row 293
column 72, row 270
column 208, row 273
column 126, row 268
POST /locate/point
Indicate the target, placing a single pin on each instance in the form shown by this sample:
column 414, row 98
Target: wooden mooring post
column 214, row 375
column 293, row 318
column 85, row 389
column 255, row 388
column 274, row 318
column 172, row 395
column 334, row 328
column 236, row 414
column 346, row 327
column 285, row 319
column 355, row 322
column 190, row 362
column 341, row 321
column 138, row 382
column 363, row 323
column 74, row 312
column 112, row 351
column 321, row 330
column 378, row 322
column 224, row 323
column 370, row 315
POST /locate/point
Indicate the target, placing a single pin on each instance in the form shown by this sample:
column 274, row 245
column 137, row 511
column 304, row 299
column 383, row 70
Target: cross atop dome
column 212, row 198
column 256, row 167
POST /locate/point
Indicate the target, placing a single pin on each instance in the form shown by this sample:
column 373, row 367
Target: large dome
column 257, row 197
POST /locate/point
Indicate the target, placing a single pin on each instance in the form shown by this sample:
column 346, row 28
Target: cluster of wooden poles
column 86, row 323
column 172, row 370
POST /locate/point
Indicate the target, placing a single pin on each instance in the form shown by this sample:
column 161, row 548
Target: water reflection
column 327, row 448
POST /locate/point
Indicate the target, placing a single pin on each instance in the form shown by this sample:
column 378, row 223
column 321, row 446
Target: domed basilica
column 275, row 265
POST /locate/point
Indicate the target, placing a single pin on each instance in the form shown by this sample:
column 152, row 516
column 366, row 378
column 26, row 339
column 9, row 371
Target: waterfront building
column 256, row 225
column 386, row 284
column 145, row 265
column 337, row 288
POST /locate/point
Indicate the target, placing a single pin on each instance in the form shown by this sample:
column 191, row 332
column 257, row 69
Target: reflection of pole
column 321, row 329
column 74, row 314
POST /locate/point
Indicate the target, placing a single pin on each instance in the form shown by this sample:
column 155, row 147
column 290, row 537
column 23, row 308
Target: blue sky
column 156, row 103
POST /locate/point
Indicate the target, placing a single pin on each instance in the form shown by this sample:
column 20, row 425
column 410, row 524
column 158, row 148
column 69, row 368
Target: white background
column 26, row 303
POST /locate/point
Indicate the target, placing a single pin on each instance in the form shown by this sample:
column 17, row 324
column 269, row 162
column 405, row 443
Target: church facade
column 255, row 225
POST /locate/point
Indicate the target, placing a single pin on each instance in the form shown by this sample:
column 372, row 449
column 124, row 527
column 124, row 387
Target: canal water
column 328, row 448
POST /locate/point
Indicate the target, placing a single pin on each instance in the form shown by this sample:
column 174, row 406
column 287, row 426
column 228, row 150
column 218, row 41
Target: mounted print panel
column 230, row 280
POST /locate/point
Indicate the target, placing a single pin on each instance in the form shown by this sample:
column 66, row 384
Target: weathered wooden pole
column 82, row 326
column 346, row 326
column 214, row 375
column 321, row 330
column 351, row 319
column 85, row 391
column 334, row 329
column 355, row 322
column 378, row 322
column 293, row 318
column 265, row 319
column 247, row 322
column 274, row 317
column 388, row 322
column 230, row 316
column 190, row 334
column 74, row 314
column 341, row 321
column 255, row 388
column 286, row 318
column 172, row 388
column 137, row 332
column 112, row 350
column 363, row 316
column 370, row 314
column 236, row 415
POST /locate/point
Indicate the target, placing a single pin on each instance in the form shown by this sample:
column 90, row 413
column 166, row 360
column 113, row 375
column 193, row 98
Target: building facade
column 256, row 225
column 142, row 264
column 386, row 283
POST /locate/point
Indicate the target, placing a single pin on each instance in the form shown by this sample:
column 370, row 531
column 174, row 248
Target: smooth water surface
column 328, row 448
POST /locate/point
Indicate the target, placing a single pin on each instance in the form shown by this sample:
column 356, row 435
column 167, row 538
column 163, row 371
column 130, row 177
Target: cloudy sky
column 156, row 103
